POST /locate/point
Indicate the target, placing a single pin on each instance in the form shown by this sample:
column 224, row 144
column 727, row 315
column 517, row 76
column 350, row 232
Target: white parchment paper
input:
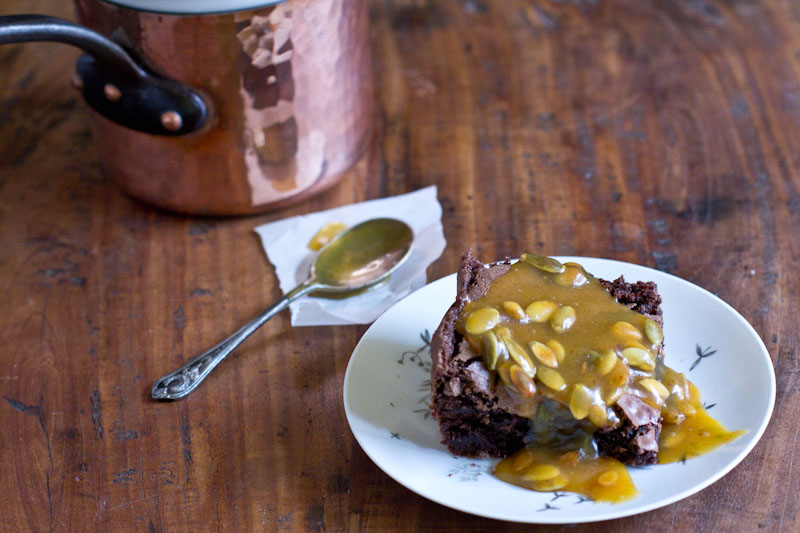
column 285, row 243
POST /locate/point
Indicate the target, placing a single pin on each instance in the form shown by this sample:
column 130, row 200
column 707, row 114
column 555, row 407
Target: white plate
column 386, row 402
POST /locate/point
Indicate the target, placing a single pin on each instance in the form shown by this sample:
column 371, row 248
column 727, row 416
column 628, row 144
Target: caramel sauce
column 547, row 470
column 694, row 436
column 565, row 351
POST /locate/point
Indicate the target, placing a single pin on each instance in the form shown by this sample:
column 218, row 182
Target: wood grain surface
column 665, row 133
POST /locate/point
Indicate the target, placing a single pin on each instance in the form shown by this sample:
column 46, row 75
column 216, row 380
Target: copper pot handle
column 112, row 82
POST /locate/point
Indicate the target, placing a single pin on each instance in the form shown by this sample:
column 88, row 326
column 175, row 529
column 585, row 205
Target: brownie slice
column 472, row 416
column 477, row 419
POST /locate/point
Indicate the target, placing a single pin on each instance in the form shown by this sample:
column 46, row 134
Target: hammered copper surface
column 291, row 90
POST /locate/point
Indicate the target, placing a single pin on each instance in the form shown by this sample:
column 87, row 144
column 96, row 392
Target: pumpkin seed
column 548, row 264
column 672, row 415
column 612, row 397
column 563, row 319
column 686, row 408
column 519, row 356
column 618, row 377
column 521, row 381
column 657, row 390
column 504, row 373
column 482, row 320
column 639, row 358
column 522, row 459
column 544, row 354
column 653, row 332
column 570, row 458
column 558, row 349
column 636, row 344
column 677, row 384
column 571, row 277
column 579, row 401
column 514, row 310
column 607, row 478
column 491, row 350
column 625, row 330
column 541, row 310
column 606, row 362
column 554, row 483
column 551, row 378
column 541, row 472
column 502, row 331
column 598, row 415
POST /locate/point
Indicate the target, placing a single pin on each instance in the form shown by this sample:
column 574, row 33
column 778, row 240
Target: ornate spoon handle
column 183, row 381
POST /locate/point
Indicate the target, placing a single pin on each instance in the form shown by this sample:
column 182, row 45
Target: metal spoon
column 355, row 259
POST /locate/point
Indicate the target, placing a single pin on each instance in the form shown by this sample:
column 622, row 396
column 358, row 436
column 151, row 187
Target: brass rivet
column 76, row 81
column 112, row 92
column 171, row 121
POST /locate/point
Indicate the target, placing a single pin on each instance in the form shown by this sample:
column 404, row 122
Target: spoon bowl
column 356, row 259
column 362, row 255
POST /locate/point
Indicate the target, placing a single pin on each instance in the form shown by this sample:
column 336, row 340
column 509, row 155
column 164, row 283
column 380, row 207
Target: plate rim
column 604, row 515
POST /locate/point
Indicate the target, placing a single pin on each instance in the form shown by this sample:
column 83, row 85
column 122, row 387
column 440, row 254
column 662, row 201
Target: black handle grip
column 112, row 82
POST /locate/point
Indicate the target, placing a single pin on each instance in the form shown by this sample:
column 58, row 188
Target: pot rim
column 192, row 7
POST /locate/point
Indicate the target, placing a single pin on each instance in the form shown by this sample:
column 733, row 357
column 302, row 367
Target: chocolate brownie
column 477, row 417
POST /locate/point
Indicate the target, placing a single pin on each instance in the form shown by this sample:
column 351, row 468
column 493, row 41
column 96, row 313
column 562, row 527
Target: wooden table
column 665, row 133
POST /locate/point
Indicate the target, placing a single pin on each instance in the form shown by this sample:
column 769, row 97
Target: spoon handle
column 183, row 381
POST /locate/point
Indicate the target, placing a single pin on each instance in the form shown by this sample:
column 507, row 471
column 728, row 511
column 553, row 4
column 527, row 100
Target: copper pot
column 229, row 113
